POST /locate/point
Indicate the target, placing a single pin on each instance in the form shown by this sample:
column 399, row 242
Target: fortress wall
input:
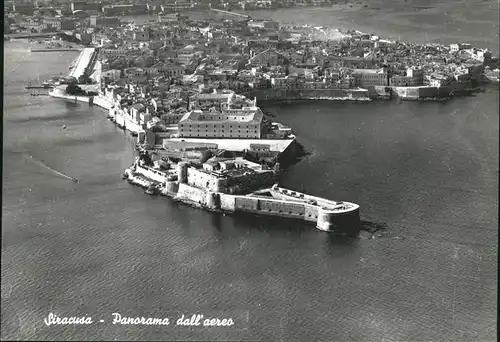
column 412, row 93
column 379, row 91
column 310, row 213
column 283, row 208
column 428, row 92
column 191, row 194
column 323, row 219
column 247, row 203
column 416, row 92
column 252, row 182
column 201, row 179
column 302, row 94
column 227, row 202
column 172, row 188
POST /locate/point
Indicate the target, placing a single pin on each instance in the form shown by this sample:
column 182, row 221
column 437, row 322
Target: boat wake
column 42, row 164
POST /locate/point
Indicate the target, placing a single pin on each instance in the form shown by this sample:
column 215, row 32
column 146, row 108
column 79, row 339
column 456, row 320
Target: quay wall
column 122, row 119
column 102, row 102
column 408, row 93
column 379, row 92
column 309, row 94
column 61, row 95
column 97, row 100
column 418, row 93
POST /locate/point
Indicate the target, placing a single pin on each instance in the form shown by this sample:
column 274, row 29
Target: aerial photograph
column 250, row 170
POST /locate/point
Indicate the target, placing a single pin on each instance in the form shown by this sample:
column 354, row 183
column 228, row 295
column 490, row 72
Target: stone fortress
column 238, row 185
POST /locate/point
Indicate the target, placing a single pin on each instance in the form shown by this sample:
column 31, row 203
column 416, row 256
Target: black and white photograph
column 250, row 170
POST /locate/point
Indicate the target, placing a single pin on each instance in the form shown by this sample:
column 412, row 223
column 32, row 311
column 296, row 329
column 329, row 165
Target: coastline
column 100, row 101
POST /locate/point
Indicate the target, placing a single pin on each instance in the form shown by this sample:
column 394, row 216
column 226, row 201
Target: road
column 82, row 63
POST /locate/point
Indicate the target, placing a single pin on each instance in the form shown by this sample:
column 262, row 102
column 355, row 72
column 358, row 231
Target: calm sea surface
column 427, row 170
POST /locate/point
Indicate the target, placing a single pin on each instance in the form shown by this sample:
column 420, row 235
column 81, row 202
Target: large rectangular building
column 370, row 77
column 245, row 123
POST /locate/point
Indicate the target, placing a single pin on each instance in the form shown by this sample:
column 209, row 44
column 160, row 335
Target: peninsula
column 189, row 89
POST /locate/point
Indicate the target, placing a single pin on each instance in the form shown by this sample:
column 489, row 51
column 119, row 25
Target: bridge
column 83, row 62
column 230, row 14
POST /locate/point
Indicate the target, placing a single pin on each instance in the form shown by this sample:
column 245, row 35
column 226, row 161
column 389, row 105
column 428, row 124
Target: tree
column 84, row 79
column 73, row 89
